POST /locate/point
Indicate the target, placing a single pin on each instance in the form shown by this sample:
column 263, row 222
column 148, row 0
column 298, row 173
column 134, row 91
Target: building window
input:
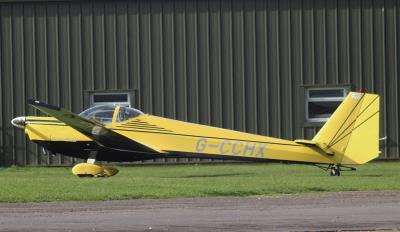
column 322, row 102
column 112, row 98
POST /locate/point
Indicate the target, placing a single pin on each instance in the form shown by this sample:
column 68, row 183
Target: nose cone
column 18, row 122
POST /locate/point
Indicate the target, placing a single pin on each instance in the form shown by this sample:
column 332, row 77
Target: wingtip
column 35, row 102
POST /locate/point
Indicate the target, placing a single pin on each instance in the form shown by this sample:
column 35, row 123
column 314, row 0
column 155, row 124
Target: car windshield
column 102, row 113
column 105, row 113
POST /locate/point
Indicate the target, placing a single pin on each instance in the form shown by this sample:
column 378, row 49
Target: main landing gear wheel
column 90, row 169
column 93, row 170
column 335, row 170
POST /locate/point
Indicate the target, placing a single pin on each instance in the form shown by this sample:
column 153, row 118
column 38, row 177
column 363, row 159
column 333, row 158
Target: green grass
column 38, row 184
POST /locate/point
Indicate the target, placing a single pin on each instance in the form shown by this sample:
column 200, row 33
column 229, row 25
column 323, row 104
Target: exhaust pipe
column 18, row 122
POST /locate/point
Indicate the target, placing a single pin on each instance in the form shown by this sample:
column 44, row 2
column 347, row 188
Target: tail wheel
column 335, row 170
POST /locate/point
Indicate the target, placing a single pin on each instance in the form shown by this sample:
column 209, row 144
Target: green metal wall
column 241, row 65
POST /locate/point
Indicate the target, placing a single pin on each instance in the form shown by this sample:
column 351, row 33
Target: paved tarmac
column 347, row 211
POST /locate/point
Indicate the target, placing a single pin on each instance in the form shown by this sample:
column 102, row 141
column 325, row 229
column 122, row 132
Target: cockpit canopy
column 105, row 113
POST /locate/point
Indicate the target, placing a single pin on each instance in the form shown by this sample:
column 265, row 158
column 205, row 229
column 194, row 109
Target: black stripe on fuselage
column 138, row 122
column 145, row 128
column 141, row 125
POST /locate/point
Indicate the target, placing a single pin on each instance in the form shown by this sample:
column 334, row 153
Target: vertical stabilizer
column 352, row 132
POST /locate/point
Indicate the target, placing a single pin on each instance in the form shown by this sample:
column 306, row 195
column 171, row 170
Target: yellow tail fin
column 352, row 132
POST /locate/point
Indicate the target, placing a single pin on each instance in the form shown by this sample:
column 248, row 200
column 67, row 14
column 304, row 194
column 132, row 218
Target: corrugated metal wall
column 241, row 65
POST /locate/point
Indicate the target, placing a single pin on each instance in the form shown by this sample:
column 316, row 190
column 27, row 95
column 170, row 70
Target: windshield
column 126, row 113
column 105, row 113
column 102, row 113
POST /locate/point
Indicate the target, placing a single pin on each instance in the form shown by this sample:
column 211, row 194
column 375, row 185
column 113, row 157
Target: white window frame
column 127, row 103
column 322, row 99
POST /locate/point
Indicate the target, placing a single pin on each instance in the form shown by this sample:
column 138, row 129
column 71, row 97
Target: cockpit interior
column 105, row 113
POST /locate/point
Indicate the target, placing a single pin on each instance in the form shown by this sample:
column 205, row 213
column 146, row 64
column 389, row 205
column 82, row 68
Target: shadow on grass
column 238, row 193
column 316, row 189
column 217, row 175
column 371, row 175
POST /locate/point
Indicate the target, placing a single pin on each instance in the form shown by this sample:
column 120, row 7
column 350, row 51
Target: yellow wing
column 93, row 129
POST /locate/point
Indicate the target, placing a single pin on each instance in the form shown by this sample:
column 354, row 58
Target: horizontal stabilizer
column 311, row 143
column 306, row 142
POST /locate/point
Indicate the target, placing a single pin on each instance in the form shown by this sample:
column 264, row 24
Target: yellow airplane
column 117, row 133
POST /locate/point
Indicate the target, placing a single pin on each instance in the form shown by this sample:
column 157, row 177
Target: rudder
column 352, row 132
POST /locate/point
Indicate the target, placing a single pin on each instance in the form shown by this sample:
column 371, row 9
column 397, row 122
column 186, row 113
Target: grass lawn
column 37, row 184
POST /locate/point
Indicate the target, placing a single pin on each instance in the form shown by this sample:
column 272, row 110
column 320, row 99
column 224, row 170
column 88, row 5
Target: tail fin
column 352, row 132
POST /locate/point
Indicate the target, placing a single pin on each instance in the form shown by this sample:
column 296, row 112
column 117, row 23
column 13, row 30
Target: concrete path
column 361, row 211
